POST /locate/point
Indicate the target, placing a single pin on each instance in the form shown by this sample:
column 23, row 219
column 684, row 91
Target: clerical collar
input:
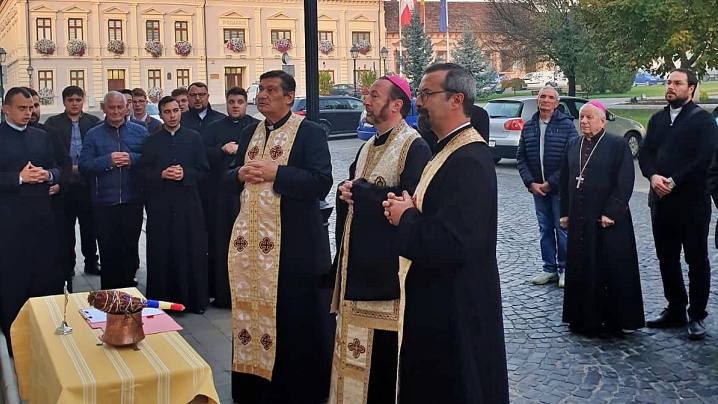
column 673, row 112
column 174, row 131
column 443, row 142
column 380, row 139
column 595, row 137
column 18, row 128
column 236, row 120
column 278, row 124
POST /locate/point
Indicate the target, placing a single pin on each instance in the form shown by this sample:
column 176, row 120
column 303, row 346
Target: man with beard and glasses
column 674, row 156
column 221, row 140
column 366, row 292
column 451, row 335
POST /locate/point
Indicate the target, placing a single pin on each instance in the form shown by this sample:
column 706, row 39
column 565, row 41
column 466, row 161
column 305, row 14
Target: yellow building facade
column 108, row 45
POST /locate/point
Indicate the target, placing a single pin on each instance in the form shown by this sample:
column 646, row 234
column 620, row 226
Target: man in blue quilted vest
column 541, row 147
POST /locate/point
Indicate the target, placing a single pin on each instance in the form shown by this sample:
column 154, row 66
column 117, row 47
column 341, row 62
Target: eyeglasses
column 197, row 95
column 424, row 94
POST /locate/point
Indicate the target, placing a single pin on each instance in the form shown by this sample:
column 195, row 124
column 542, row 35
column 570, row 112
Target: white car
column 252, row 94
column 153, row 111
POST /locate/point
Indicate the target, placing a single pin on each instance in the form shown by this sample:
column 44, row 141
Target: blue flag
column 443, row 16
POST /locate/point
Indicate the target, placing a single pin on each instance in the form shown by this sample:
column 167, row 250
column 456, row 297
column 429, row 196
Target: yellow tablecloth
column 74, row 369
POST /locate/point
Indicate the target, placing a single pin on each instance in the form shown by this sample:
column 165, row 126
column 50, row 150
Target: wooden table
column 75, row 369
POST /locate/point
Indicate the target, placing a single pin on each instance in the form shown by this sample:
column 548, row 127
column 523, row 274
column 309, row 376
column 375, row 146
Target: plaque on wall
column 214, row 76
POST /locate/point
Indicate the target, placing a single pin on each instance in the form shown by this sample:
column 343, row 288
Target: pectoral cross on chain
column 579, row 181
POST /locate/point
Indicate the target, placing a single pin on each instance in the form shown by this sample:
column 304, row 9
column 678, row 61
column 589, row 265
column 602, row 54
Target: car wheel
column 634, row 140
column 326, row 129
column 496, row 160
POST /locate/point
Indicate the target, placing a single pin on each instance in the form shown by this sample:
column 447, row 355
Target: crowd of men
column 410, row 309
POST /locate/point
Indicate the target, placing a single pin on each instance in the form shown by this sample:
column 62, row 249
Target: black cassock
column 176, row 246
column 224, row 206
column 453, row 342
column 603, row 286
column 305, row 328
column 29, row 265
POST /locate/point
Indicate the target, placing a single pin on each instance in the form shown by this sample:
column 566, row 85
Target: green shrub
column 514, row 84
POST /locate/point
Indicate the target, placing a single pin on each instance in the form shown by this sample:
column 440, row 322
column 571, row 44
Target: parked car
column 252, row 94
column 337, row 114
column 153, row 111
column 344, row 89
column 366, row 130
column 647, row 79
column 507, row 117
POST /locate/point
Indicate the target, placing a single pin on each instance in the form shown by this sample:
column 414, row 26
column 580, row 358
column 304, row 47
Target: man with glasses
column 200, row 113
column 451, row 334
column 674, row 156
column 139, row 109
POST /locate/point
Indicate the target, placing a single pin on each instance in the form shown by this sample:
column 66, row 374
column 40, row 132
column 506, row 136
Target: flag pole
column 401, row 59
column 447, row 31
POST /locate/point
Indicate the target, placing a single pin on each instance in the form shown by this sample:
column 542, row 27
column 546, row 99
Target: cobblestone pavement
column 547, row 364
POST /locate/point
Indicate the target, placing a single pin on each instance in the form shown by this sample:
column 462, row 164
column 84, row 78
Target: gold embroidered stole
column 357, row 320
column 253, row 258
column 467, row 136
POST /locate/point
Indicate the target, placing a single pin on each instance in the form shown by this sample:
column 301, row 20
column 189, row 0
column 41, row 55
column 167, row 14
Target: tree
column 418, row 52
column 658, row 35
column 469, row 54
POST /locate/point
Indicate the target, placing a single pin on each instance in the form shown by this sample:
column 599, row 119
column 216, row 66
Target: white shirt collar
column 20, row 128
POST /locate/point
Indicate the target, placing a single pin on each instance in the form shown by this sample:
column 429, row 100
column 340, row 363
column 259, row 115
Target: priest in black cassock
column 221, row 140
column 603, row 285
column 452, row 339
column 173, row 161
column 281, row 326
column 28, row 168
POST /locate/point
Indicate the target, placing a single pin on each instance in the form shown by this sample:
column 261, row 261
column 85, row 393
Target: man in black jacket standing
column 72, row 125
column 200, row 113
column 674, row 156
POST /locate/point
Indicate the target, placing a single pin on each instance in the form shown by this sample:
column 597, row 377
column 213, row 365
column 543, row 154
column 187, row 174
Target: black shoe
column 93, row 269
column 198, row 311
column 696, row 329
column 667, row 320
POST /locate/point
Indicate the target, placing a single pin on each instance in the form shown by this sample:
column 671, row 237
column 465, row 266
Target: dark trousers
column 118, row 233
column 683, row 225
column 78, row 207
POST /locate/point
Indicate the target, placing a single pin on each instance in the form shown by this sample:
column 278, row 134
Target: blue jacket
column 113, row 185
column 558, row 132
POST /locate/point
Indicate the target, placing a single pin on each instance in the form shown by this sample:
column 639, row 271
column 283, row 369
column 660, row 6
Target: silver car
column 507, row 117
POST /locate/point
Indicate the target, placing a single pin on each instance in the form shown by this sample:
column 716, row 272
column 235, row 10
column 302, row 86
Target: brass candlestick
column 64, row 329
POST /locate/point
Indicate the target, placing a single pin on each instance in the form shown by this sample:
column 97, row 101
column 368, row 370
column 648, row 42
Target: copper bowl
column 123, row 329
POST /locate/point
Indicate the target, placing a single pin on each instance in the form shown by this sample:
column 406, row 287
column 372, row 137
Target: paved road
column 547, row 364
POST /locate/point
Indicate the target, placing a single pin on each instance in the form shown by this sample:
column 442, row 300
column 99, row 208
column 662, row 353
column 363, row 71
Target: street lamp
column 384, row 53
column 30, row 69
column 354, row 51
column 3, row 55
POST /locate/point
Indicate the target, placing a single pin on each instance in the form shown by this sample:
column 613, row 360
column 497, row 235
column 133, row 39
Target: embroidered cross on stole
column 253, row 259
column 382, row 166
column 467, row 136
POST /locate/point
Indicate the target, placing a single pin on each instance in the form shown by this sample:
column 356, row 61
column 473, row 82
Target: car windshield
column 503, row 109
column 299, row 104
column 152, row 109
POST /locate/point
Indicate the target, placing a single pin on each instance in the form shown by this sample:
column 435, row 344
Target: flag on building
column 405, row 9
column 443, row 16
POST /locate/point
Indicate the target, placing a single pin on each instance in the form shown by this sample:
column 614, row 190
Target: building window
column 44, row 28
column 181, row 31
column 74, row 28
column 114, row 30
column 152, row 29
column 183, row 78
column 154, row 78
column 360, row 36
column 326, row 36
column 44, row 79
column 281, row 34
column 230, row 33
column 77, row 78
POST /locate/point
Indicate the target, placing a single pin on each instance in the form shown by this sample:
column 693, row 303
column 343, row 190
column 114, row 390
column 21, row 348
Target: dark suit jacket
column 63, row 125
column 480, row 121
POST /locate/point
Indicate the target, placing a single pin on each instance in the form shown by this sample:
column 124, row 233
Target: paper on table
column 93, row 315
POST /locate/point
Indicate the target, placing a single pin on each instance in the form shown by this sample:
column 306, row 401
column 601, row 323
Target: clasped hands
column 395, row 206
column 120, row 159
column 662, row 185
column 605, row 221
column 33, row 175
column 174, row 173
column 258, row 171
column 230, row 148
